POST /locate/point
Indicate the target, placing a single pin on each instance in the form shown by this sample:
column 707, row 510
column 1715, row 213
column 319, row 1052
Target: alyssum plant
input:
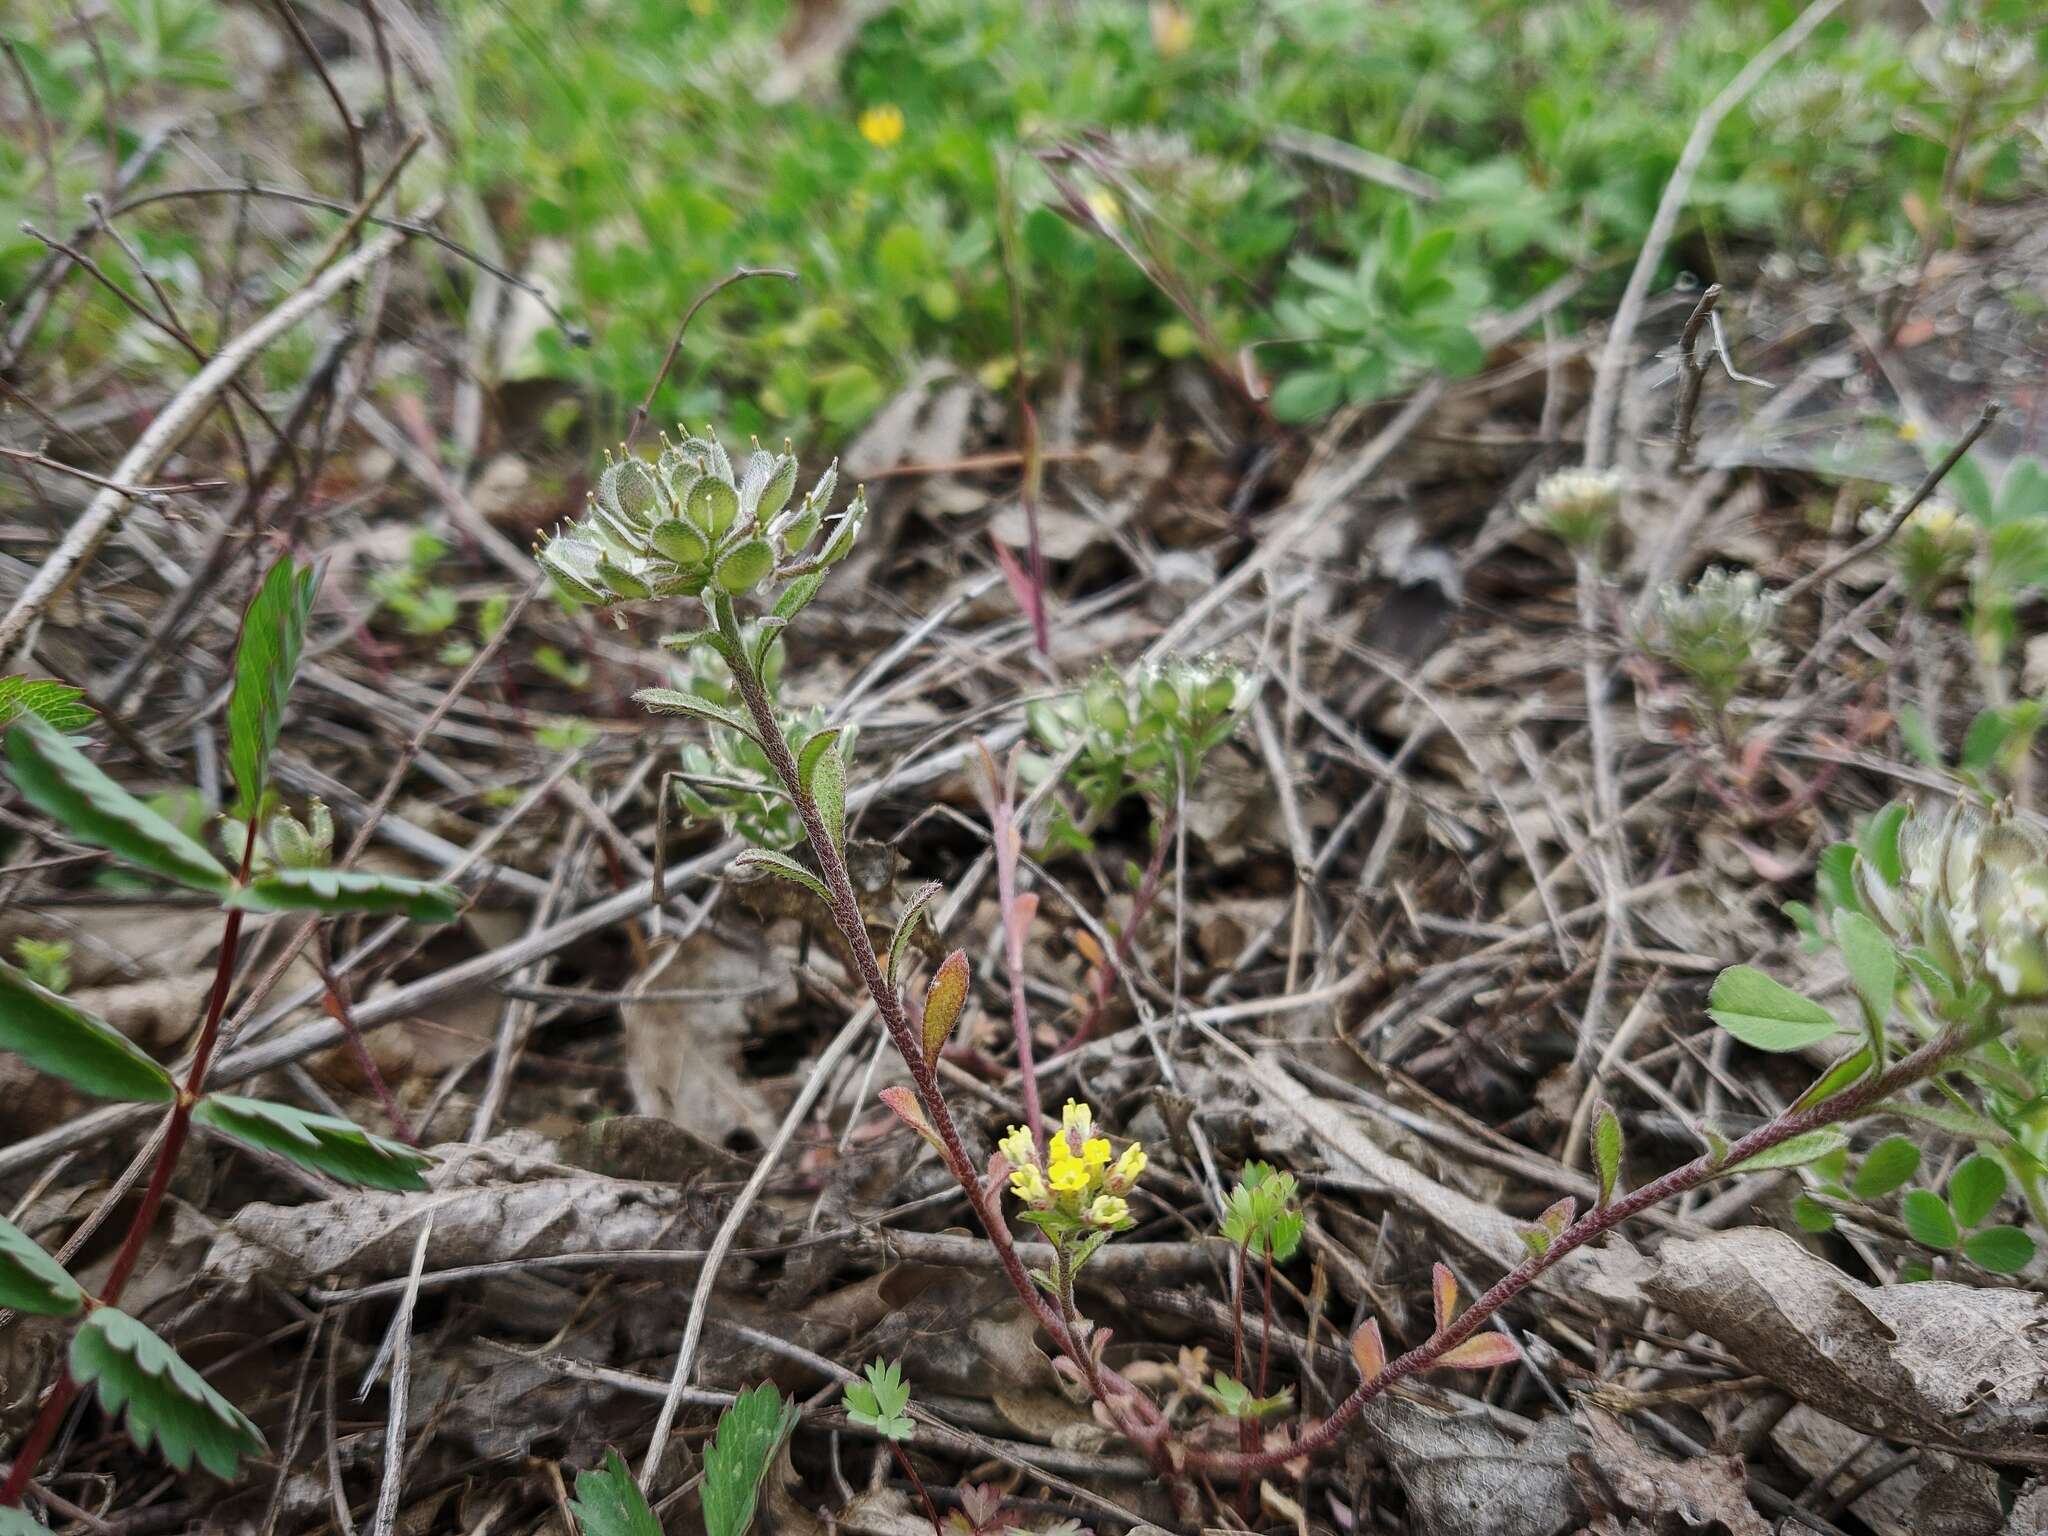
column 1940, row 921
column 280, row 868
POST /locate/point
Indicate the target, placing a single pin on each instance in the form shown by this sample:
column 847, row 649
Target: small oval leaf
column 906, row 926
column 1481, row 1352
column 1885, row 1167
column 2002, row 1250
column 1927, row 1219
column 1794, row 1152
column 1369, row 1350
column 1607, row 1149
column 349, row 890
column 1765, row 1014
column 1443, row 1287
column 943, row 1002
column 56, row 1036
column 1975, row 1188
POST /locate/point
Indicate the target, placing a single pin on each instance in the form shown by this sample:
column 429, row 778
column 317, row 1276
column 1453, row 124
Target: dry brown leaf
column 1619, row 1475
column 1465, row 1477
column 683, row 1058
column 1954, row 1365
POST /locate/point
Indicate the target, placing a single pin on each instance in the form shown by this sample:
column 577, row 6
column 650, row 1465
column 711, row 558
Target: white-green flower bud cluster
column 688, row 522
column 1718, row 632
column 1578, row 506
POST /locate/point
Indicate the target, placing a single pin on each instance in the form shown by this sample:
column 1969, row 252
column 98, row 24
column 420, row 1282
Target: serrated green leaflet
column 1887, row 1165
column 879, row 1401
column 61, row 782
column 167, row 1403
column 266, row 662
column 670, row 701
column 1607, row 1148
column 1928, row 1219
column 1763, row 1013
column 2002, row 1250
column 349, row 890
column 1793, row 1153
column 32, row 1281
column 1975, row 1188
column 609, row 1503
column 321, row 1142
column 782, row 864
column 58, row 1037
column 58, row 704
column 906, row 926
column 735, row 1461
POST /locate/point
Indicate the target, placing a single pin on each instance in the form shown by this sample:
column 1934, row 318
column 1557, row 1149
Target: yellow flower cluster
column 1080, row 1171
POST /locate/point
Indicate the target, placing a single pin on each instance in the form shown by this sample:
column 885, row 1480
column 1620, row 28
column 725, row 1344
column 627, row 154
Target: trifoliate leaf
column 349, row 890
column 1975, row 1188
column 1607, row 1149
column 943, row 1002
column 906, row 926
column 1481, row 1352
column 32, row 1281
column 1765, row 1014
column 748, row 1434
column 1795, row 1152
column 59, row 704
column 266, row 662
column 1928, row 1219
column 609, row 1503
column 61, row 782
column 58, row 1037
column 332, row 1146
column 782, row 864
column 879, row 1401
column 168, row 1404
column 2002, row 1250
column 1885, row 1167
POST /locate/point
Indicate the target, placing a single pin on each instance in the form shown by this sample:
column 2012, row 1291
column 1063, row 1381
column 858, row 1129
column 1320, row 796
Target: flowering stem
column 1923, row 1063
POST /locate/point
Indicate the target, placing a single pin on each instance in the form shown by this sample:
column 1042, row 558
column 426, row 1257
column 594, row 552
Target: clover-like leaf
column 166, row 1402
column 1885, row 1167
column 1975, row 1188
column 906, row 925
column 1928, row 1219
column 609, row 1503
column 2002, row 1250
column 324, row 1143
column 349, row 890
column 738, row 1456
column 67, row 786
column 56, row 1036
column 59, row 704
column 266, row 662
column 32, row 1281
column 879, row 1401
column 1766, row 1014
column 782, row 864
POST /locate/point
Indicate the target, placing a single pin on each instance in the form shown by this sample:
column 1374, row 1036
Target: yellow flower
column 1095, row 1152
column 1103, row 204
column 1028, row 1185
column 1019, row 1148
column 1909, row 431
column 882, row 126
column 1172, row 29
column 1108, row 1211
column 1078, row 1118
column 1129, row 1168
column 1069, row 1176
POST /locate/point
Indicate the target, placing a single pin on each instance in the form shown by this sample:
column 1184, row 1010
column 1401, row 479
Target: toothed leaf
column 59, row 704
column 32, row 1281
column 166, row 1402
column 736, row 1460
column 328, row 1145
column 56, row 1036
column 266, row 662
column 349, row 890
column 609, row 1503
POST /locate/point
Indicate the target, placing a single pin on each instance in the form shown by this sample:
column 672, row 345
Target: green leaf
column 1812, row 1216
column 742, row 568
column 1834, row 878
column 1918, row 737
column 349, row 890
column 782, row 864
column 609, row 1503
column 1986, row 736
column 16, row 1522
column 1763, row 1013
column 328, row 1145
column 815, row 746
column 1928, row 1219
column 669, row 701
column 1795, row 1152
column 266, row 662
column 735, row 1461
column 798, row 594
column 1887, row 1166
column 1975, row 1188
column 1607, row 1148
column 32, row 1281
column 1879, row 842
column 167, row 1402
column 828, row 788
column 1849, row 1069
column 880, row 1401
column 59, row 704
column 1874, row 968
column 61, row 782
column 906, row 926
column 62, row 1039
column 2002, row 1250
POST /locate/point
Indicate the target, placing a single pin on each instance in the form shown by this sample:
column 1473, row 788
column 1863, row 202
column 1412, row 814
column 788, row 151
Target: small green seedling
column 879, row 1402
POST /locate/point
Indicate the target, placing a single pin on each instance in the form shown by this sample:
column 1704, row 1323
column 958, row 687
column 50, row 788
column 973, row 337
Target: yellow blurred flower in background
column 882, row 126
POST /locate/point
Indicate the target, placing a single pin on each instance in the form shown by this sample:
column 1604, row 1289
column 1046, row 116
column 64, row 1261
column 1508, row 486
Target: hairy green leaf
column 349, row 890
column 1928, row 1218
column 828, row 788
column 798, row 594
column 1607, row 1148
column 339, row 1148
column 1874, row 968
column 1880, row 841
column 1885, row 1167
column 58, row 1037
column 1834, row 878
column 738, row 1457
column 65, row 785
column 167, row 1402
column 609, row 1503
column 266, row 662
column 741, row 568
column 1794, row 1153
column 1851, row 1068
column 1764, row 1013
column 2002, row 1250
column 670, row 701
column 1975, row 1188
column 32, row 1281
column 59, row 704
column 782, row 864
column 906, row 925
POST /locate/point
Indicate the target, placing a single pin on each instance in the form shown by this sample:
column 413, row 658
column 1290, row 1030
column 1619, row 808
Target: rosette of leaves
column 1145, row 733
column 691, row 525
column 1718, row 632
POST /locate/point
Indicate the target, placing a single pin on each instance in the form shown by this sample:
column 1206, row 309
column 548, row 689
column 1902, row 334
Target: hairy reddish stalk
column 176, row 1130
column 1920, row 1065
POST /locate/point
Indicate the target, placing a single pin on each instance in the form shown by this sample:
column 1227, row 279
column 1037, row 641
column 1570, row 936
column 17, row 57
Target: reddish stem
column 931, row 1510
column 335, row 1003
